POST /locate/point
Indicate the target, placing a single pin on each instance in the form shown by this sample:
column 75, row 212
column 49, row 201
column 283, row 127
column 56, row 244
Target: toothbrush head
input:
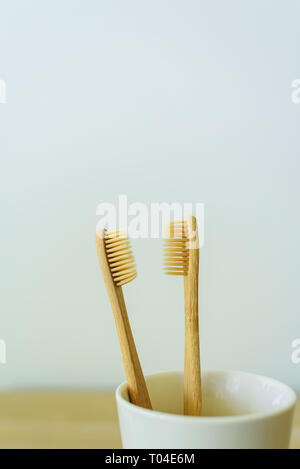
column 176, row 252
column 181, row 246
column 120, row 257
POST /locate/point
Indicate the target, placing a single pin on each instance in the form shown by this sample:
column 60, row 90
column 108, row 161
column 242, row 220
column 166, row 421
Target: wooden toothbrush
column 182, row 258
column 118, row 268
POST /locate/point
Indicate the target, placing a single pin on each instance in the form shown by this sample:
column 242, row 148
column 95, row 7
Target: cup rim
column 213, row 419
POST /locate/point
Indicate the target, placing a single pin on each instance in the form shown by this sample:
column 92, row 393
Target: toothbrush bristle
column 120, row 257
column 176, row 254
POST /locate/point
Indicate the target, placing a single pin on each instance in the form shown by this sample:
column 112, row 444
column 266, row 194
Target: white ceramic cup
column 240, row 410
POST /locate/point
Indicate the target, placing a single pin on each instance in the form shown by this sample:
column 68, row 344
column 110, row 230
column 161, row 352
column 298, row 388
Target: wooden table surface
column 68, row 420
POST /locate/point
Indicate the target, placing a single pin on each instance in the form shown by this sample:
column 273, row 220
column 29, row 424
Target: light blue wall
column 162, row 100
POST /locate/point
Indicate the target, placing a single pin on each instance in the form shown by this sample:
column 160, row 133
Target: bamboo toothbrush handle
column 136, row 384
column 192, row 370
column 137, row 389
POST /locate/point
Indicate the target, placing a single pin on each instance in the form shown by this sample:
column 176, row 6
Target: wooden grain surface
column 68, row 420
column 192, row 373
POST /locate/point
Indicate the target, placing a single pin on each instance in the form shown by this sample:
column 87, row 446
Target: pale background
column 162, row 100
